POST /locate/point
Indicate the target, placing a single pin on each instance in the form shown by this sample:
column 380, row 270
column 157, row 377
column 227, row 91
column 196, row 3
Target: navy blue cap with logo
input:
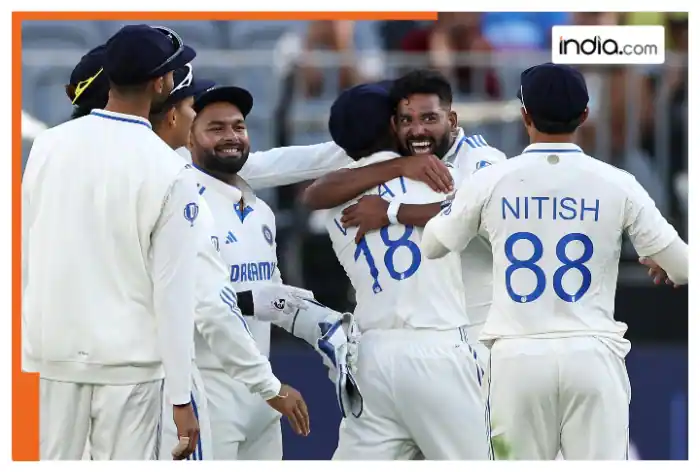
column 553, row 93
column 237, row 96
column 88, row 82
column 139, row 53
column 361, row 116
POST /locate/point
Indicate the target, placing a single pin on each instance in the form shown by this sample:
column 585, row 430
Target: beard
column 424, row 145
column 219, row 162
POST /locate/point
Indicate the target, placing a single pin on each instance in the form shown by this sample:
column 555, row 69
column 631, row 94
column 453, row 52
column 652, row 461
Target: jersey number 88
column 392, row 245
column 531, row 264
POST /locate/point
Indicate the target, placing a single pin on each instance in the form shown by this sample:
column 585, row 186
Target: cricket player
column 172, row 122
column 109, row 244
column 555, row 218
column 243, row 426
column 426, row 127
column 417, row 373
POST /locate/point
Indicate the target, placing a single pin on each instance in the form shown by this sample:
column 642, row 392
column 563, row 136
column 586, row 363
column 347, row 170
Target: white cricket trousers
column 422, row 399
column 169, row 439
column 243, row 425
column 122, row 421
column 546, row 394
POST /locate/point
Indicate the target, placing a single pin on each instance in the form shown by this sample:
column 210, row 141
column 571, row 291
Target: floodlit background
column 294, row 69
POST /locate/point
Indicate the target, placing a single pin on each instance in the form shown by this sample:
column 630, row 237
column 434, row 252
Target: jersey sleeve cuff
column 270, row 389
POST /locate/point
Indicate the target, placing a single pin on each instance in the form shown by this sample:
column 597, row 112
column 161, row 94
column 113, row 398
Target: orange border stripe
column 223, row 15
column 25, row 387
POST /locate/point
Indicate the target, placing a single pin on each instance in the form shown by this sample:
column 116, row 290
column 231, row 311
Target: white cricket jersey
column 246, row 240
column 396, row 287
column 109, row 248
column 467, row 155
column 555, row 218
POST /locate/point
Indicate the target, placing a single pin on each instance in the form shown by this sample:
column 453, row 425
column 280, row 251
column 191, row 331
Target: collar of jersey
column 112, row 115
column 452, row 154
column 235, row 192
column 553, row 148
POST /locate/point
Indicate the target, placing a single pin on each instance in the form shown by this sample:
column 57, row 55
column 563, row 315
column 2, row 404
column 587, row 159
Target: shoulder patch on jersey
column 191, row 211
column 267, row 234
column 476, row 141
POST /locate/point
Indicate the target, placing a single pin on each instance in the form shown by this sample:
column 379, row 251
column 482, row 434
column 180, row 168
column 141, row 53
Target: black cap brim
column 237, row 96
column 185, row 57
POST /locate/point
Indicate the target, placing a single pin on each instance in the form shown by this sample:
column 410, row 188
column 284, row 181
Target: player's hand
column 187, row 429
column 290, row 403
column 273, row 301
column 368, row 214
column 656, row 272
column 427, row 169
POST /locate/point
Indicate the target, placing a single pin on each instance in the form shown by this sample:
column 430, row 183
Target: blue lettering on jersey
column 340, row 227
column 530, row 264
column 384, row 188
column 535, row 207
column 191, row 211
column 252, row 271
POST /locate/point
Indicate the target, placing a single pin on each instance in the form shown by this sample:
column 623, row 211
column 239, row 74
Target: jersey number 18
column 531, row 264
column 392, row 245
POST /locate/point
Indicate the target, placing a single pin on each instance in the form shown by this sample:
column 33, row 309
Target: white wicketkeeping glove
column 275, row 302
column 338, row 347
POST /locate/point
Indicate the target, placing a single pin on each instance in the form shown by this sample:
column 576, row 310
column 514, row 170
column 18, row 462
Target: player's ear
column 584, row 116
column 171, row 117
column 159, row 85
column 527, row 121
column 394, row 127
column 454, row 121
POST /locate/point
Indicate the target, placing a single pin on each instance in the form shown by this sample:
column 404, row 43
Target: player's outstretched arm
column 371, row 213
column 344, row 185
column 292, row 164
column 458, row 223
column 653, row 237
column 174, row 251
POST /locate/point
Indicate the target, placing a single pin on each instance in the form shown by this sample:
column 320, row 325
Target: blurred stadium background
column 294, row 69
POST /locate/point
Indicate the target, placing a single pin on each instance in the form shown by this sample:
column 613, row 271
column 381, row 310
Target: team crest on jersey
column 267, row 234
column 191, row 212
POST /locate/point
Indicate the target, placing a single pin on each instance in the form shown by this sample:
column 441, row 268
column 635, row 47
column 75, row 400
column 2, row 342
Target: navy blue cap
column 186, row 85
column 360, row 116
column 237, row 96
column 88, row 81
column 139, row 53
column 553, row 92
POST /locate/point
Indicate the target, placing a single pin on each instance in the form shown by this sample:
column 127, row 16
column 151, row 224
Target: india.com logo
column 608, row 47
column 574, row 44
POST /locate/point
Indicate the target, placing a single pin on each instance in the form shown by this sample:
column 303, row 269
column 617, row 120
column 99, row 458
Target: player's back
column 93, row 191
column 396, row 287
column 555, row 219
